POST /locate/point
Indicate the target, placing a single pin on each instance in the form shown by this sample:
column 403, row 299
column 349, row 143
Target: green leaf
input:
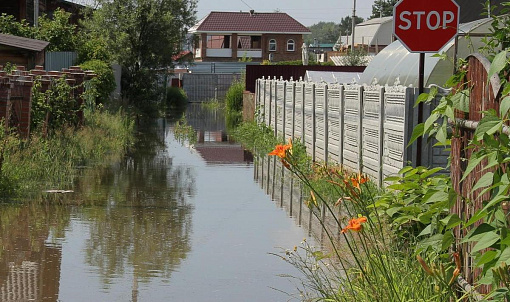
column 478, row 233
column 436, row 196
column 477, row 216
column 426, row 231
column 442, row 135
column 461, row 100
column 421, row 98
column 430, row 122
column 505, row 256
column 488, row 239
column 498, row 63
column 430, row 172
column 473, row 162
column 484, row 181
column 486, row 257
column 393, row 210
column 447, row 240
column 504, row 106
column 417, row 132
column 451, row 221
column 489, row 124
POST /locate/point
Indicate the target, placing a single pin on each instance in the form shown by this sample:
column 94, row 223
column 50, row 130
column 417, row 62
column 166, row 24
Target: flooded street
column 171, row 222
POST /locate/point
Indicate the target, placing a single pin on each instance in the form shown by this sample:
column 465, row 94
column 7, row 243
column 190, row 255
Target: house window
column 217, row 42
column 272, row 45
column 291, row 45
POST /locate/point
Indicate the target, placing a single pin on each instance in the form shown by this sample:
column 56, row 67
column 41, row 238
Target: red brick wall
column 281, row 53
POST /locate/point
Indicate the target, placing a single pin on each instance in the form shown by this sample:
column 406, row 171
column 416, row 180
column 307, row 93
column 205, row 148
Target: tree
column 382, row 8
column 57, row 30
column 141, row 36
column 324, row 32
column 346, row 24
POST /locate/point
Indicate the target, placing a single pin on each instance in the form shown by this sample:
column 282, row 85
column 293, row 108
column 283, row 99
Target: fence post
column 326, row 125
column 341, row 112
column 360, row 130
column 303, row 112
column 275, row 98
column 293, row 109
column 314, row 126
column 381, row 136
column 284, row 107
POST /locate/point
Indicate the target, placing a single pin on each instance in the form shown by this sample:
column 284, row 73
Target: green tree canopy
column 324, row 32
column 346, row 24
column 382, row 8
column 57, row 30
column 141, row 35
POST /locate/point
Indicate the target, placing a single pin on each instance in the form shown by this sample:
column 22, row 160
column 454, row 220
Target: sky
column 306, row 12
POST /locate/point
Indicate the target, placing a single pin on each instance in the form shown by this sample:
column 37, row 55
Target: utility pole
column 353, row 24
column 36, row 13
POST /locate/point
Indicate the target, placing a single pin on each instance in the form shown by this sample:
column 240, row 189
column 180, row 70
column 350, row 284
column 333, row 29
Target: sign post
column 424, row 26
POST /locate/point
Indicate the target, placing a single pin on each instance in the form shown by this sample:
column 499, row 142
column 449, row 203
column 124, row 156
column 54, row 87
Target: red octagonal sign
column 425, row 25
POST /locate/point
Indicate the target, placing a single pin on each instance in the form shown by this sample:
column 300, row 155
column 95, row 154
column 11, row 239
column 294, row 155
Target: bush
column 103, row 85
column 176, row 97
column 234, row 97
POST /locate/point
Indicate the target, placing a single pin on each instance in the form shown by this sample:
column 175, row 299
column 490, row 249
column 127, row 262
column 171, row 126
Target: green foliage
column 54, row 108
column 58, row 31
column 141, row 35
column 346, row 24
column 104, row 83
column 31, row 166
column 184, row 132
column 324, row 32
column 258, row 138
column 382, row 8
column 355, row 58
column 9, row 25
column 176, row 97
column 234, row 96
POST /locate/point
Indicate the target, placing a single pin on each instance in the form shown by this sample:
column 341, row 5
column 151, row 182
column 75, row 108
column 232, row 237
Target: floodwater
column 171, row 222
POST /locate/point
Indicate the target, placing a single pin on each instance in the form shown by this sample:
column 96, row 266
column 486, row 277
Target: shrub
column 176, row 97
column 234, row 97
column 103, row 85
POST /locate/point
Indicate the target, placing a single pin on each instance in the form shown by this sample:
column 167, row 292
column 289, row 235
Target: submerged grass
column 30, row 166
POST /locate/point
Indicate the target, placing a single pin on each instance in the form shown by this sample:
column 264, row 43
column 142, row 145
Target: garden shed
column 21, row 51
column 395, row 64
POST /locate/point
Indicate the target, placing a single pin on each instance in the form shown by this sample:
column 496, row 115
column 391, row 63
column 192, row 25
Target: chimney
column 252, row 12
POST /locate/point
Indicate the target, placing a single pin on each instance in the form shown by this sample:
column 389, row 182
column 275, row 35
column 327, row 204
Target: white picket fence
column 363, row 127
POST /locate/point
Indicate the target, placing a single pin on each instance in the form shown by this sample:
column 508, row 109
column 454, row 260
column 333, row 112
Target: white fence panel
column 372, row 131
column 352, row 126
column 335, row 122
column 320, row 121
column 309, row 118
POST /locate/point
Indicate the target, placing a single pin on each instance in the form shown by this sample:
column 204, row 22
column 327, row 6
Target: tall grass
column 30, row 166
column 366, row 261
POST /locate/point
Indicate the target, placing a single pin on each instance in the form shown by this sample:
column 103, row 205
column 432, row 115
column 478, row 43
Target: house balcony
column 219, row 53
column 250, row 53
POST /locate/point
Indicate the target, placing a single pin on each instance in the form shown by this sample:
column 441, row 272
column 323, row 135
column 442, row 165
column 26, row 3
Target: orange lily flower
column 280, row 151
column 355, row 224
column 358, row 180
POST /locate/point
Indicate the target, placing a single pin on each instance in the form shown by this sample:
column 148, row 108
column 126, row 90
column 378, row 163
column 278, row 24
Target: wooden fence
column 363, row 127
column 484, row 95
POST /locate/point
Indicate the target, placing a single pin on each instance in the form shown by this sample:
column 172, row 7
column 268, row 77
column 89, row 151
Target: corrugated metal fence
column 56, row 60
column 365, row 128
column 205, row 87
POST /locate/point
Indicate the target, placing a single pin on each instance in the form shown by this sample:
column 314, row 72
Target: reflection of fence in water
column 290, row 195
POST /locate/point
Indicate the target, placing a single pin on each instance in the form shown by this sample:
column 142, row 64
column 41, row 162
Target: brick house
column 24, row 9
column 230, row 36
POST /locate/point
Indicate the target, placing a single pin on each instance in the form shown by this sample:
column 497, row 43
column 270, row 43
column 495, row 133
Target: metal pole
column 36, row 13
column 353, row 24
column 419, row 142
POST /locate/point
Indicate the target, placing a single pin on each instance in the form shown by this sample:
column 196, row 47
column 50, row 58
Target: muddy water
column 171, row 222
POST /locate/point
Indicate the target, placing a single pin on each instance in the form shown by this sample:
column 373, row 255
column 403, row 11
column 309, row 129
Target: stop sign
column 425, row 25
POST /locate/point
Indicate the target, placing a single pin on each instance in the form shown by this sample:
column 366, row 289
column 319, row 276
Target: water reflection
column 29, row 263
column 167, row 223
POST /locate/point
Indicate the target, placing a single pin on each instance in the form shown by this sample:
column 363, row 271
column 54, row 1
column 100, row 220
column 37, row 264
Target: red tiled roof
column 246, row 22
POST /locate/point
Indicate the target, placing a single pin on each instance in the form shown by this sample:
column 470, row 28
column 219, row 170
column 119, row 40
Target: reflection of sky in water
column 233, row 227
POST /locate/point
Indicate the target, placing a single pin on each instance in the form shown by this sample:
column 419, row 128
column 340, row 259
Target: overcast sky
column 306, row 12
